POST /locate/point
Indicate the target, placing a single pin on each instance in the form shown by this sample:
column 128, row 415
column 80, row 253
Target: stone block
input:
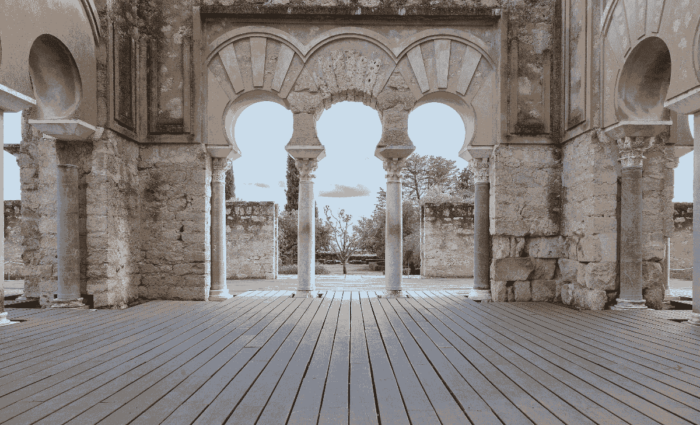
column 589, row 249
column 654, row 297
column 581, row 274
column 597, row 225
column 544, row 290
column 590, row 299
column 608, row 246
column 523, row 291
column 557, row 291
column 499, row 291
column 512, row 269
column 601, row 275
column 653, row 246
column 571, row 247
column 652, row 274
column 568, row 269
column 510, row 290
column 544, row 268
column 500, row 247
column 546, row 247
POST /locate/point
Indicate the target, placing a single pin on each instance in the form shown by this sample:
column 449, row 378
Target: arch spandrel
column 73, row 22
column 352, row 64
column 626, row 23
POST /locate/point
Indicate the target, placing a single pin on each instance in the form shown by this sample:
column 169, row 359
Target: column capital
column 219, row 166
column 306, row 167
column 480, row 168
column 632, row 150
column 393, row 167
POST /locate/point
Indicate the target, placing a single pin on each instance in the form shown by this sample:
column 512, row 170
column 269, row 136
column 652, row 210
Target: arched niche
column 644, row 81
column 73, row 22
column 55, row 78
column 463, row 109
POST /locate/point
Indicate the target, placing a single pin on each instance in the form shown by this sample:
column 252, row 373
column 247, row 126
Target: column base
column 480, row 295
column 4, row 321
column 306, row 294
column 629, row 305
column 76, row 304
column 394, row 293
column 694, row 319
column 219, row 295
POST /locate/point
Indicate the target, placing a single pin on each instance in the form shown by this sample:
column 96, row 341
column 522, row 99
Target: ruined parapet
column 251, row 240
column 447, row 240
column 14, row 266
column 681, row 241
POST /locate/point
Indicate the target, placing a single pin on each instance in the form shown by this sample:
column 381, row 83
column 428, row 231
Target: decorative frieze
column 219, row 166
column 393, row 169
column 480, row 168
column 306, row 167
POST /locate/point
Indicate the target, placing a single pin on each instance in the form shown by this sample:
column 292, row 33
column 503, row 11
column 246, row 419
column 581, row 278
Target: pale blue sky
column 350, row 132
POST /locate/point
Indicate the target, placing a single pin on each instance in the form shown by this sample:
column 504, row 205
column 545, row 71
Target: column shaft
column 3, row 314
column 306, row 241
column 393, row 256
column 482, row 245
column 68, row 234
column 219, row 289
column 695, row 316
column 631, row 237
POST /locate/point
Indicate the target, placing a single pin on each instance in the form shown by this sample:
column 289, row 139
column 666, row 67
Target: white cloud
column 342, row 191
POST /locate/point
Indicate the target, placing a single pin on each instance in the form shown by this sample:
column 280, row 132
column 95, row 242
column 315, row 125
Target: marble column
column 3, row 314
column 68, row 294
column 695, row 315
column 219, row 290
column 393, row 252
column 632, row 162
column 482, row 241
column 306, row 233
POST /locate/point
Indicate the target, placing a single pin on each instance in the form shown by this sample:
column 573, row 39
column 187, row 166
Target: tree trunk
column 344, row 269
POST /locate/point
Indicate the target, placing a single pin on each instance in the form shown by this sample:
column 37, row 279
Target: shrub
column 321, row 270
column 292, row 269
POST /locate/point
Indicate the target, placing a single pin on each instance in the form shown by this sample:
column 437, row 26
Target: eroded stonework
column 447, row 240
column 251, row 240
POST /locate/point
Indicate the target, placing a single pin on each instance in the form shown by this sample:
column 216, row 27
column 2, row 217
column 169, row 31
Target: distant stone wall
column 447, row 240
column 251, row 240
column 682, row 241
column 14, row 267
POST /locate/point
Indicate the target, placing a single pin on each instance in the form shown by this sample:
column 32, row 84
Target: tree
column 422, row 172
column 343, row 241
column 287, row 225
column 230, row 185
column 292, row 190
column 464, row 183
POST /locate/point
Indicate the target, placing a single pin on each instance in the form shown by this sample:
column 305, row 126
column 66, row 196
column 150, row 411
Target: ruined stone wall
column 591, row 216
column 113, row 215
column 447, row 240
column 175, row 220
column 14, row 267
column 251, row 240
column 681, row 241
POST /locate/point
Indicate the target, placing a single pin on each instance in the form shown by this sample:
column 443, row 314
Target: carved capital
column 306, row 167
column 393, row 169
column 219, row 166
column 632, row 150
column 480, row 168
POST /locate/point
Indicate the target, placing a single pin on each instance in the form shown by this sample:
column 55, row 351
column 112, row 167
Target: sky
column 350, row 176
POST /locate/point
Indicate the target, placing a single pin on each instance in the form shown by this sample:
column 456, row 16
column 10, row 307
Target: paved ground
column 349, row 357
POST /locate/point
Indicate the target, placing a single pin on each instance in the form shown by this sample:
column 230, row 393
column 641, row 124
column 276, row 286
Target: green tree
column 344, row 241
column 425, row 171
column 292, row 190
column 230, row 185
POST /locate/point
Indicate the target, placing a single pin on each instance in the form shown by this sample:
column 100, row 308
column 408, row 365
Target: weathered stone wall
column 447, row 240
column 681, row 241
column 14, row 267
column 251, row 240
column 175, row 220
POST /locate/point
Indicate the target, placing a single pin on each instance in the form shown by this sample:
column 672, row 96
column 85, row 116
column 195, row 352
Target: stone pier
column 219, row 290
column 482, row 246
column 68, row 235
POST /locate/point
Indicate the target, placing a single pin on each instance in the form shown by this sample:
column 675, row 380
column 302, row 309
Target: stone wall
column 447, row 240
column 175, row 220
column 251, row 240
column 14, row 267
column 681, row 241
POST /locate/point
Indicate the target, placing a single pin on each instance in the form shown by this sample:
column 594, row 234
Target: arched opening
column 55, row 77
column 644, row 82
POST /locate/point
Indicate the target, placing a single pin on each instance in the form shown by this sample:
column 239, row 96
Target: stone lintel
column 223, row 151
column 687, row 103
column 637, row 129
column 14, row 101
column 71, row 130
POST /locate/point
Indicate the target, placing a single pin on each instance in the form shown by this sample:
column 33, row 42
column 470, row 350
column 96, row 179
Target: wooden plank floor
column 348, row 358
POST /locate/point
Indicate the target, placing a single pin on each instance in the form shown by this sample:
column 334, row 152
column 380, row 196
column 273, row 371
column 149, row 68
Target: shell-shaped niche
column 55, row 78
